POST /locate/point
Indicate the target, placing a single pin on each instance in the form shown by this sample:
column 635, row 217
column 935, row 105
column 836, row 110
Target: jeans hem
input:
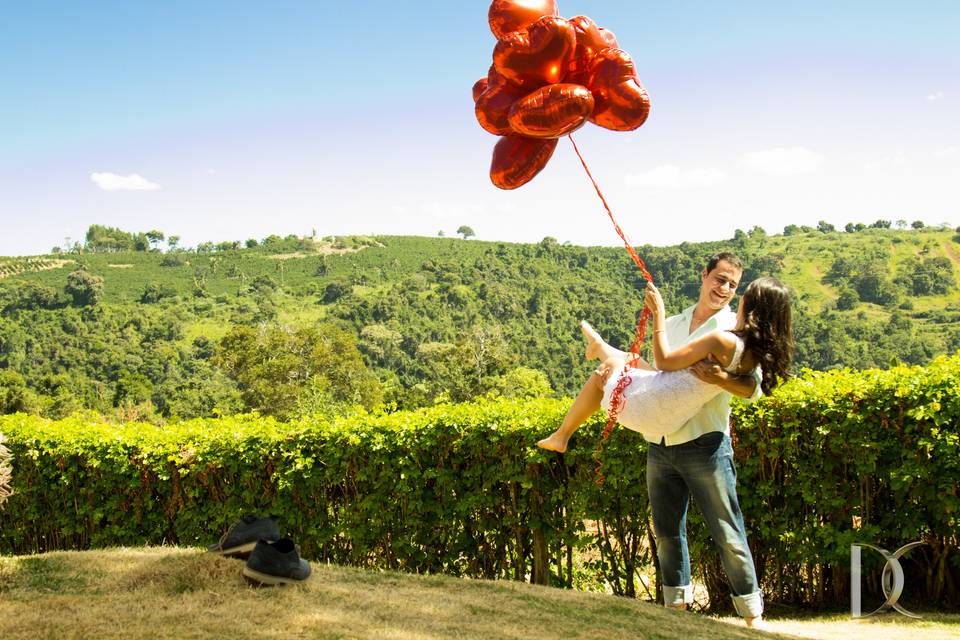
column 673, row 596
column 748, row 606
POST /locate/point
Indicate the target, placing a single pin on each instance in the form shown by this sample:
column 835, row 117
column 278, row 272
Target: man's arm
column 746, row 386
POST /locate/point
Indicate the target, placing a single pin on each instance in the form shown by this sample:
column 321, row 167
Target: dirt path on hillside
column 948, row 247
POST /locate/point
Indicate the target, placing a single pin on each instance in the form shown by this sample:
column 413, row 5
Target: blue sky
column 247, row 119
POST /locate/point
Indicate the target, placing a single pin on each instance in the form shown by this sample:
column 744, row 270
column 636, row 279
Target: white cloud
column 670, row 176
column 936, row 95
column 949, row 151
column 114, row 182
column 790, row 161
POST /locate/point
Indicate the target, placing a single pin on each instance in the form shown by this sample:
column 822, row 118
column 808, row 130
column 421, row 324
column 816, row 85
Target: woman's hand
column 653, row 301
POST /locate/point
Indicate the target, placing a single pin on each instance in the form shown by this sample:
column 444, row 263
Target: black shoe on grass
column 276, row 563
column 243, row 535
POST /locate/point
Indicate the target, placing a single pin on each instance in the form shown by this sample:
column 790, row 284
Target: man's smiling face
column 719, row 286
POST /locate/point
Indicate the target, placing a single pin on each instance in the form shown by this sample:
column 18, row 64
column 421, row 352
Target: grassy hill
column 421, row 308
column 185, row 593
column 303, row 267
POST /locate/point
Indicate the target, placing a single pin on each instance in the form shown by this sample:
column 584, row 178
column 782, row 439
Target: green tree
column 523, row 382
column 154, row 293
column 30, row 295
column 472, row 367
column 825, row 227
column 335, row 290
column 930, row 276
column 382, row 345
column 132, row 389
column 100, row 239
column 848, row 299
column 15, row 397
column 917, row 224
column 85, row 288
column 841, row 270
column 466, row 232
column 278, row 368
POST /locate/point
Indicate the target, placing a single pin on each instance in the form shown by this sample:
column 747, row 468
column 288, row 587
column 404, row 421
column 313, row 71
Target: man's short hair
column 724, row 256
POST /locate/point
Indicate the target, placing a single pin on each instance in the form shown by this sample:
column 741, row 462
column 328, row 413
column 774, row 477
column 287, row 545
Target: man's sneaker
column 276, row 563
column 243, row 535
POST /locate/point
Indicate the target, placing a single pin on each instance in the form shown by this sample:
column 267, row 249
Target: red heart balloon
column 552, row 111
column 507, row 16
column 538, row 56
column 479, row 87
column 493, row 105
column 516, row 160
column 591, row 40
column 621, row 102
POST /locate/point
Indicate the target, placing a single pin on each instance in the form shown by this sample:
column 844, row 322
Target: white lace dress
column 657, row 403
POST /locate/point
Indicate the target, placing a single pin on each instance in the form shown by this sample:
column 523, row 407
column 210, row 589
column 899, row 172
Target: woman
column 658, row 402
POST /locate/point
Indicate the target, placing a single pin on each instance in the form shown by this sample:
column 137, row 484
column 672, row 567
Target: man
column 697, row 459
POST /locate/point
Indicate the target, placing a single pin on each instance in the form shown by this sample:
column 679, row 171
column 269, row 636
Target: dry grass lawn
column 185, row 593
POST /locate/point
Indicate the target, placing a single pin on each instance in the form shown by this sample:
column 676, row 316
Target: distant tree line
column 853, row 227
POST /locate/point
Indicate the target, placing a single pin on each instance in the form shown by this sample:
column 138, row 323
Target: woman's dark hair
column 767, row 332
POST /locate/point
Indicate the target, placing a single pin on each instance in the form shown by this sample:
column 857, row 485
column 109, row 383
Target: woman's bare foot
column 594, row 341
column 555, row 442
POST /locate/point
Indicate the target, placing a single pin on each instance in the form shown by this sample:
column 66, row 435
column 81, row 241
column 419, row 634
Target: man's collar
column 687, row 313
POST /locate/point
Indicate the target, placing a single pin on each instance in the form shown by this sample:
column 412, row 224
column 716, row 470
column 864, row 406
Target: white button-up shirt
column 715, row 414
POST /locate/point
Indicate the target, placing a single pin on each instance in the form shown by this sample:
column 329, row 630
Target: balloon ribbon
column 616, row 400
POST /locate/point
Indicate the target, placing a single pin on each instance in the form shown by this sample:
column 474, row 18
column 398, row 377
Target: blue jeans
column 702, row 468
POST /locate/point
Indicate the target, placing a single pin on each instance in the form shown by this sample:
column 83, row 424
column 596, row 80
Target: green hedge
column 461, row 489
column 843, row 457
column 457, row 489
column 4, row 472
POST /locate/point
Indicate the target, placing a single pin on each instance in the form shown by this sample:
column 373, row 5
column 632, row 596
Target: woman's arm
column 687, row 355
column 707, row 346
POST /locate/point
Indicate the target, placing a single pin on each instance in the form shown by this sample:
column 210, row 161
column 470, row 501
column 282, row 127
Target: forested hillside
column 289, row 326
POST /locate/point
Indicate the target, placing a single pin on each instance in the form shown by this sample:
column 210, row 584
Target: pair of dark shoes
column 271, row 560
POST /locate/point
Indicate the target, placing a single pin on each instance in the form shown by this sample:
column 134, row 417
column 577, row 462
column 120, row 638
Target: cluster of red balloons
column 549, row 77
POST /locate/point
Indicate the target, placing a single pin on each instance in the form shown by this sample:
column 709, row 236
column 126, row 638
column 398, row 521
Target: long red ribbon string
column 616, row 400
